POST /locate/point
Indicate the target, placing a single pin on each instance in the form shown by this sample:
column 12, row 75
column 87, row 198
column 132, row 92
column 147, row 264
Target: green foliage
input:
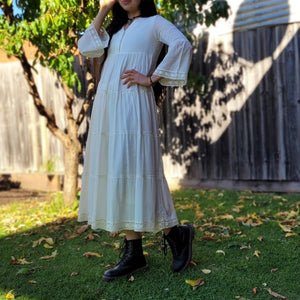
column 53, row 26
column 191, row 12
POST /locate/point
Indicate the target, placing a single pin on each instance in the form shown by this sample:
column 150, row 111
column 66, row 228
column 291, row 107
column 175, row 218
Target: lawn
column 246, row 246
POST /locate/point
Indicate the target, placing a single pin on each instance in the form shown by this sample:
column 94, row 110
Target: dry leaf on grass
column 276, row 295
column 82, row 229
column 256, row 253
column 193, row 263
column 19, row 261
column 74, row 274
column 92, row 254
column 131, row 278
column 32, row 282
column 290, row 234
column 220, row 252
column 90, row 237
column 206, row 271
column 54, row 254
column 195, row 283
column 148, row 244
column 182, row 222
column 254, row 290
column 274, row 270
column 286, row 228
column 208, row 238
column 10, row 295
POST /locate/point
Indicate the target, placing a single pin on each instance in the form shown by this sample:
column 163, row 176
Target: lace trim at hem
column 125, row 177
column 138, row 133
column 130, row 225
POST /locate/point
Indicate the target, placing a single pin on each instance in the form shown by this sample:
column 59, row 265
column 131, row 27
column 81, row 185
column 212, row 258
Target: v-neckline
column 125, row 29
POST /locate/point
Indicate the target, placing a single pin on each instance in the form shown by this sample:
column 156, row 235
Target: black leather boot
column 180, row 239
column 132, row 261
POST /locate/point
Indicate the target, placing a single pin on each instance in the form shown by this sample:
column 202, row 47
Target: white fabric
column 123, row 183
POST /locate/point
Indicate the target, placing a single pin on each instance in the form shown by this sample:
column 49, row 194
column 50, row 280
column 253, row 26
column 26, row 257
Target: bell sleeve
column 174, row 67
column 92, row 43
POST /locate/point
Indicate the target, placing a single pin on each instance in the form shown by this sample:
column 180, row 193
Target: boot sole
column 107, row 279
column 191, row 237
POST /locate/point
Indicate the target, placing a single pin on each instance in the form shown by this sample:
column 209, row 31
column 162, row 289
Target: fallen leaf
column 145, row 253
column 19, row 261
column 193, row 263
column 274, row 270
column 260, row 238
column 148, row 244
column 113, row 234
column 221, row 252
column 90, row 237
column 10, row 295
column 245, row 247
column 256, row 253
column 226, row 217
column 195, row 283
column 276, row 295
column 182, row 222
column 49, row 241
column 116, row 246
column 82, row 229
column 131, row 278
column 48, row 246
column 54, row 253
column 290, row 234
column 206, row 271
column 32, row 282
column 285, row 228
column 91, row 254
column 254, row 290
column 208, row 238
column 74, row 274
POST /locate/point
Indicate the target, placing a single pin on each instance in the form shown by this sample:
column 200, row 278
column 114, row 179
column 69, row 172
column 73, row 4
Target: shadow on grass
column 240, row 256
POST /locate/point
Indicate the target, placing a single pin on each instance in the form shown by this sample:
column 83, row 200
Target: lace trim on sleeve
column 170, row 78
column 101, row 38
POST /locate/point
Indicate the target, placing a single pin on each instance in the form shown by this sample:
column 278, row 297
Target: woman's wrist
column 153, row 79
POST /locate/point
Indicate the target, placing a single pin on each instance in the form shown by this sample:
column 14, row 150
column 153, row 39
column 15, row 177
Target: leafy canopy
column 53, row 26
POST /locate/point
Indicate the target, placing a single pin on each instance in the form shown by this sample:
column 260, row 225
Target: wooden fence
column 238, row 121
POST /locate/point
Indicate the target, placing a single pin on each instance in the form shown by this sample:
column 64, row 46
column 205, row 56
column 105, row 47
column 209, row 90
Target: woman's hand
column 132, row 77
column 108, row 4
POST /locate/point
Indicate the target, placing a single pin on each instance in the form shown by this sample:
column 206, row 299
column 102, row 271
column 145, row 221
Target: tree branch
column 8, row 11
column 89, row 93
column 42, row 109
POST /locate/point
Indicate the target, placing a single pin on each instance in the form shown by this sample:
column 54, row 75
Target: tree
column 53, row 27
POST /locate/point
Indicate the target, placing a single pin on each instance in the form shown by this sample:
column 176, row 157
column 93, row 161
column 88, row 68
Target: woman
column 123, row 183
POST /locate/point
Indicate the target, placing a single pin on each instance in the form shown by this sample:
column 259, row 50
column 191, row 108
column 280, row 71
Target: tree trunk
column 71, row 173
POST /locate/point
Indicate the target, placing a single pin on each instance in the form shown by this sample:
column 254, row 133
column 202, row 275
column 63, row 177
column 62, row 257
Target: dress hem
column 138, row 227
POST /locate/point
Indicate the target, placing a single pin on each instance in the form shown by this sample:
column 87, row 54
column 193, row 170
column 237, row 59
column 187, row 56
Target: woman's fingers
column 132, row 77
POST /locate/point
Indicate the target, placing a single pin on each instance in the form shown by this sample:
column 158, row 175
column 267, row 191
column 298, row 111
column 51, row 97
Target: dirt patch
column 20, row 195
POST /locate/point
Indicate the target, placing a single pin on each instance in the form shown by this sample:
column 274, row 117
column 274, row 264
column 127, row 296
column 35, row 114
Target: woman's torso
column 132, row 48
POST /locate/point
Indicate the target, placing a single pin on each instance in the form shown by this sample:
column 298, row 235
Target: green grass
column 238, row 223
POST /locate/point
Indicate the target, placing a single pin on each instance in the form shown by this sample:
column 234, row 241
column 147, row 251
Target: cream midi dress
column 123, row 182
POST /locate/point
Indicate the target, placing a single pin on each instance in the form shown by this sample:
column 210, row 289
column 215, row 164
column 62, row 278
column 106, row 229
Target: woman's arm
column 105, row 7
column 95, row 39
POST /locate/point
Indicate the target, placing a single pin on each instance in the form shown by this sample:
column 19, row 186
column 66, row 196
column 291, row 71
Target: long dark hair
column 120, row 18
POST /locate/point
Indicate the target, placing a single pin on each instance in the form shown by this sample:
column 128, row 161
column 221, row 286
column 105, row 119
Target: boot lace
column 171, row 243
column 124, row 254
